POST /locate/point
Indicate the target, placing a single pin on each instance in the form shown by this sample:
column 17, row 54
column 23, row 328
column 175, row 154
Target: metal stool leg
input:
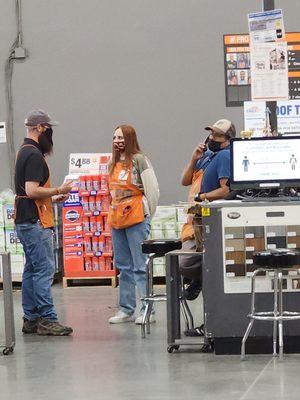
column 150, row 308
column 144, row 320
column 275, row 322
column 250, row 325
column 280, row 324
column 149, row 292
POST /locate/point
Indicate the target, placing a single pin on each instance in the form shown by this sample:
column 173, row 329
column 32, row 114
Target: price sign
column 84, row 163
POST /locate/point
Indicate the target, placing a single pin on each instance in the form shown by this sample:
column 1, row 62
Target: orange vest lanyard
column 44, row 206
column 187, row 232
column 126, row 208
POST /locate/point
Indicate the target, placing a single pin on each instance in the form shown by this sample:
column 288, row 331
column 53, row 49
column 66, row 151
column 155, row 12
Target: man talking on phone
column 34, row 225
column 208, row 172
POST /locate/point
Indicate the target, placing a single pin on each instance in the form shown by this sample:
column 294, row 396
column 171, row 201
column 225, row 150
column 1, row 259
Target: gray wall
column 157, row 64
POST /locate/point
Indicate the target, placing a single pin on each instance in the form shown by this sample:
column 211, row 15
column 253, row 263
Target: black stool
column 275, row 260
column 155, row 248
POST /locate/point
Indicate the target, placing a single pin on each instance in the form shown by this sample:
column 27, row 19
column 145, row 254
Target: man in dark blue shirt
column 213, row 159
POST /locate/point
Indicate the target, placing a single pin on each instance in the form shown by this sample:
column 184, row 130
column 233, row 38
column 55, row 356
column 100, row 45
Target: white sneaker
column 139, row 319
column 120, row 318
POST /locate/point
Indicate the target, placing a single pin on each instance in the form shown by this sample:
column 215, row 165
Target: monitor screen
column 262, row 163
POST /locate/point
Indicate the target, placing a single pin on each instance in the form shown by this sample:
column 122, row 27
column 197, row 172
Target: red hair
column 131, row 146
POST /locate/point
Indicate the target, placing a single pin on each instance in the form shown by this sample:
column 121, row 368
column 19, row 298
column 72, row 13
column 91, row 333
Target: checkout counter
column 233, row 230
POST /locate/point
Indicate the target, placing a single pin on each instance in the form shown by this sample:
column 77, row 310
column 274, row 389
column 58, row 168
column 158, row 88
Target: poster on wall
column 266, row 26
column 237, row 58
column 288, row 117
column 2, row 132
column 269, row 71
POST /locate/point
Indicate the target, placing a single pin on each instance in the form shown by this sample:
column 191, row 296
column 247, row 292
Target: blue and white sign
column 73, row 200
column 288, row 117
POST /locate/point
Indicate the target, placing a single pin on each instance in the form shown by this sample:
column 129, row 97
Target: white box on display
column 8, row 210
column 170, row 234
column 181, row 215
column 17, row 264
column 157, row 234
column 11, row 240
column 2, row 239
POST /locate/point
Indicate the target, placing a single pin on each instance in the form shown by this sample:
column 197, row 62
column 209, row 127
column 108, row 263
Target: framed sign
column 237, row 67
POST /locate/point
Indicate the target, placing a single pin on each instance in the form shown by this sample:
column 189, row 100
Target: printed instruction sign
column 266, row 26
column 269, row 71
column 288, row 117
column 264, row 160
column 3, row 132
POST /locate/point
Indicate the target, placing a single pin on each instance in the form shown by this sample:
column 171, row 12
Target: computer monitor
column 265, row 163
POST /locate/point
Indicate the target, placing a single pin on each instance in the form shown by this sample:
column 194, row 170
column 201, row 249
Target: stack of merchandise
column 57, row 237
column 166, row 224
column 8, row 238
column 87, row 238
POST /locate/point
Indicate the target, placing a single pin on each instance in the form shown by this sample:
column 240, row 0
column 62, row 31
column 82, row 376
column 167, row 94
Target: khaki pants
column 198, row 229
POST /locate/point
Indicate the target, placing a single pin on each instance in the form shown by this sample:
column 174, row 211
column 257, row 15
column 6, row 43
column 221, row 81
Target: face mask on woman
column 120, row 146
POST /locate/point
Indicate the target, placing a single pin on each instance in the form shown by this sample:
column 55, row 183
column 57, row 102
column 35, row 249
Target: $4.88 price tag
column 84, row 163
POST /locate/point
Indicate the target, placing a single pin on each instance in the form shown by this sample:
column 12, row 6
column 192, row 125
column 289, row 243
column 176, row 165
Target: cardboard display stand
column 86, row 236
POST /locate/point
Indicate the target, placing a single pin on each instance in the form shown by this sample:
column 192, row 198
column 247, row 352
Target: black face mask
column 46, row 142
column 214, row 146
column 119, row 146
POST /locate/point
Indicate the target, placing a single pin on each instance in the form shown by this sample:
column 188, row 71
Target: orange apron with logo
column 44, row 206
column 126, row 208
column 188, row 232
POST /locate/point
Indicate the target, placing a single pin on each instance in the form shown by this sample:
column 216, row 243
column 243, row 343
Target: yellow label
column 205, row 212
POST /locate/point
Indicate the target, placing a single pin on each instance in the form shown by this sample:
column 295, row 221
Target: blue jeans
column 38, row 271
column 131, row 263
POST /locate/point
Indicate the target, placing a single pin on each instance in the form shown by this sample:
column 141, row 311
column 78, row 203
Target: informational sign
column 2, row 132
column 269, row 71
column 288, row 117
column 265, row 160
column 266, row 26
column 255, row 117
column 237, row 67
column 86, row 163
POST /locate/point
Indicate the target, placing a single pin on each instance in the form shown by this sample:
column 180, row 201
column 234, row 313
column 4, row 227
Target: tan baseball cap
column 39, row 117
column 223, row 126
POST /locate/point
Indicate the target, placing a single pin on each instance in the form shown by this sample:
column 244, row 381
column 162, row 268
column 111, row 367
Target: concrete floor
column 112, row 362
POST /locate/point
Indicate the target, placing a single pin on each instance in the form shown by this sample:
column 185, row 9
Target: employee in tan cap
column 214, row 160
column 34, row 225
column 208, row 172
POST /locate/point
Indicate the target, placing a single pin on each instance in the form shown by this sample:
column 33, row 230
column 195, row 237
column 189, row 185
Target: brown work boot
column 29, row 327
column 52, row 328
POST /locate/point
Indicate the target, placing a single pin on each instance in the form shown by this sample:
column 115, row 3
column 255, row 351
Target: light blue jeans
column 131, row 263
column 38, row 271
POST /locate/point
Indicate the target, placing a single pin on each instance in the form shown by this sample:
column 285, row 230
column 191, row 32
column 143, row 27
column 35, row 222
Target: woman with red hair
column 134, row 195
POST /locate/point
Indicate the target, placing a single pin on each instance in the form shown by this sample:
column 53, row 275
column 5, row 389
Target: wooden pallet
column 101, row 279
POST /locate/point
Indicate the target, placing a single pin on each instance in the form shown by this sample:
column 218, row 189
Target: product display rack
column 87, row 240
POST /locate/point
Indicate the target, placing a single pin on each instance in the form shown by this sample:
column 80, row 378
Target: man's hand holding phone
column 198, row 152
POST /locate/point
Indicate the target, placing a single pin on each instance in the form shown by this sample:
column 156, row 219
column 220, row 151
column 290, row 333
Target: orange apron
column 44, row 206
column 126, row 208
column 188, row 232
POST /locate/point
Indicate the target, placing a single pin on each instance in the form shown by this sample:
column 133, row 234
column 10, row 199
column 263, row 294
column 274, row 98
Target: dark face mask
column 46, row 142
column 214, row 146
column 119, row 146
